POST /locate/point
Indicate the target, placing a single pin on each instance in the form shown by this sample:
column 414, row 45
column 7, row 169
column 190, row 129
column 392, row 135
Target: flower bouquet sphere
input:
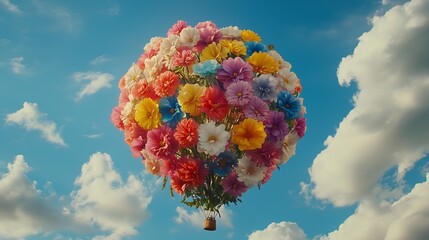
column 213, row 111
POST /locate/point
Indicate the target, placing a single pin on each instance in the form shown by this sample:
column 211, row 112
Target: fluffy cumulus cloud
column 31, row 118
column 10, row 6
column 388, row 126
column 92, row 82
column 24, row 211
column 195, row 218
column 279, row 231
column 17, row 66
column 103, row 198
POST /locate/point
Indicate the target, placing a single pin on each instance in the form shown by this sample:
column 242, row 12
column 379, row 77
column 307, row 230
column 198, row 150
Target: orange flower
column 187, row 132
column 166, row 84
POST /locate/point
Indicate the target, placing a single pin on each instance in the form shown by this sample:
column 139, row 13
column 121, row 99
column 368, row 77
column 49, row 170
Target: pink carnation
column 177, row 28
column 161, row 143
column 184, row 57
column 208, row 33
column 115, row 117
column 132, row 130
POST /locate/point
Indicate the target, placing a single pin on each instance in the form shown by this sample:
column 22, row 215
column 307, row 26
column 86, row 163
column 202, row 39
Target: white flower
column 289, row 147
column 283, row 64
column 230, row 32
column 153, row 67
column 128, row 109
column 212, row 139
column 189, row 37
column 168, row 46
column 132, row 76
column 290, row 80
column 153, row 42
column 248, row 172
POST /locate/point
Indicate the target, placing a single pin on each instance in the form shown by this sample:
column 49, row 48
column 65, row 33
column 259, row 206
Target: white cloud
column 10, row 6
column 96, row 81
column 92, row 135
column 23, row 209
column 279, row 231
column 196, row 218
column 30, row 118
column 388, row 126
column 407, row 218
column 99, row 60
column 104, row 199
column 17, row 66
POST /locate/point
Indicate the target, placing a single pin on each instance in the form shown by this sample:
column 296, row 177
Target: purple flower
column 268, row 155
column 232, row 186
column 265, row 87
column 276, row 127
column 300, row 126
column 234, row 70
column 208, row 33
column 239, row 93
column 256, row 109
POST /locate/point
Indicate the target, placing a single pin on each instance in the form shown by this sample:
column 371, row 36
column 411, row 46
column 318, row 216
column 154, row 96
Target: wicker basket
column 210, row 224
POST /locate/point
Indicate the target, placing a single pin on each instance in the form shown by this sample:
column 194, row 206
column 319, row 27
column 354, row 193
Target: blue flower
column 170, row 111
column 206, row 68
column 264, row 87
column 223, row 164
column 289, row 104
column 255, row 47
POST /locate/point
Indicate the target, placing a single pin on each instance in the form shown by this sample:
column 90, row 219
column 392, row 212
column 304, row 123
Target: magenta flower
column 301, row 126
column 137, row 145
column 256, row 109
column 239, row 93
column 232, row 186
column 276, row 126
column 268, row 155
column 161, row 142
column 234, row 70
column 208, row 33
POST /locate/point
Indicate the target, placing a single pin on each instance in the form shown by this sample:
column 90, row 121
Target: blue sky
column 359, row 173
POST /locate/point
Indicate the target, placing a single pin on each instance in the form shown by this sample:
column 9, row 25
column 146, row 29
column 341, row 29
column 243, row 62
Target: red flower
column 187, row 132
column 214, row 104
column 189, row 173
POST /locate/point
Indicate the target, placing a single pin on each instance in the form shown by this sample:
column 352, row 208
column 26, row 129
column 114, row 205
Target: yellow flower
column 248, row 134
column 249, row 35
column 190, row 98
column 235, row 47
column 263, row 63
column 214, row 51
column 147, row 114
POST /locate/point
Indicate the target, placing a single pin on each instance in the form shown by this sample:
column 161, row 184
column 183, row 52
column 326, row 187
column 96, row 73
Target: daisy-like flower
column 212, row 139
column 263, row 63
column 290, row 80
column 177, row 28
column 289, row 104
column 187, row 132
column 248, row 134
column 230, row 32
column 132, row 76
column 223, row 164
column 264, row 87
column 239, row 93
column 151, row 162
column 252, row 47
column 268, row 155
column 147, row 114
column 256, row 109
column 166, row 84
column 170, row 111
column 189, row 37
column 249, row 35
column 232, row 186
column 276, row 126
column 161, row 143
column 234, row 70
column 190, row 98
column 289, row 147
column 214, row 104
column 248, row 172
column 206, row 68
column 235, row 47
column 214, row 51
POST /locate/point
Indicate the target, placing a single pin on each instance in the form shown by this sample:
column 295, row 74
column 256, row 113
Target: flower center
column 172, row 110
column 235, row 74
column 287, row 105
column 212, row 139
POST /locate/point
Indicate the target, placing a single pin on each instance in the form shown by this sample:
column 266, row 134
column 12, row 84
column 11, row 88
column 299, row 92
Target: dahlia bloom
column 234, row 70
column 161, row 143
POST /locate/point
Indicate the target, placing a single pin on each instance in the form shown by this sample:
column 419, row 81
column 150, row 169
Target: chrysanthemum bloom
column 234, row 70
column 235, row 47
column 206, row 68
column 132, row 76
column 239, row 93
column 189, row 37
column 151, row 162
column 252, row 47
column 300, row 126
column 161, row 142
column 177, row 28
column 268, row 155
column 290, row 80
column 214, row 104
column 183, row 57
column 256, row 109
column 248, row 172
column 248, row 134
column 143, row 89
column 223, row 164
column 190, row 98
column 214, row 51
column 263, row 63
column 232, row 186
column 187, row 132
column 209, row 33
column 115, row 117
column 166, row 84
column 264, row 87
column 276, row 126
column 249, row 35
column 189, row 172
column 289, row 104
column 289, row 147
column 212, row 139
column 170, row 111
column 283, row 64
column 147, row 114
